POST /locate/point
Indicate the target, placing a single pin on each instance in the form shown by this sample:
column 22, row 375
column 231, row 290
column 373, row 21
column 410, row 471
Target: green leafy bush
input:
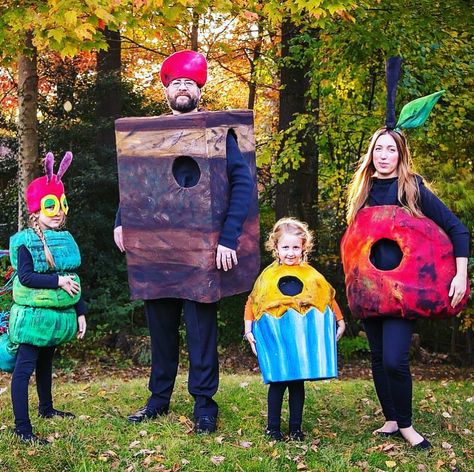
column 352, row 348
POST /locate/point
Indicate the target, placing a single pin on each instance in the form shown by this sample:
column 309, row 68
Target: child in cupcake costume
column 48, row 308
column 290, row 322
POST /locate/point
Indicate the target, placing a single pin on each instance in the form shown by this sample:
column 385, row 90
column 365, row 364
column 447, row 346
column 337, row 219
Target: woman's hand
column 457, row 289
column 249, row 337
column 68, row 284
column 81, row 326
column 458, row 285
column 341, row 327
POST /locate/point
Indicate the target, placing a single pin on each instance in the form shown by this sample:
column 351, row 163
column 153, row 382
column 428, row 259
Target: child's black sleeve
column 81, row 307
column 29, row 278
column 27, row 275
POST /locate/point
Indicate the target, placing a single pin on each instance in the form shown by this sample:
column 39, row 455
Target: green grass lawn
column 338, row 419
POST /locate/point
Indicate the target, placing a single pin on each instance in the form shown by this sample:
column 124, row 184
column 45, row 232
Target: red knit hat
column 184, row 65
column 49, row 184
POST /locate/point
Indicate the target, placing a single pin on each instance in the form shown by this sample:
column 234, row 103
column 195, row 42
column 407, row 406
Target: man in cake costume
column 188, row 221
column 404, row 255
column 48, row 308
column 290, row 323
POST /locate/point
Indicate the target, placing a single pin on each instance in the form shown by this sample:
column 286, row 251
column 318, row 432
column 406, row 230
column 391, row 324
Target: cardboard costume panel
column 170, row 231
column 418, row 286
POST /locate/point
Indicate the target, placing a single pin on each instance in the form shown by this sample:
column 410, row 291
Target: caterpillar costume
column 43, row 317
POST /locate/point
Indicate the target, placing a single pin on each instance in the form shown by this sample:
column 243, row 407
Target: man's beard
column 183, row 107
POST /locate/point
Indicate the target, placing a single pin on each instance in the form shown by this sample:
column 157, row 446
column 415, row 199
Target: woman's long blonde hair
column 294, row 227
column 35, row 226
column 408, row 190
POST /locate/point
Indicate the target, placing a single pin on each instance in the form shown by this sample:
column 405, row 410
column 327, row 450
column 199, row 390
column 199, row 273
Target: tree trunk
column 252, row 82
column 298, row 195
column 27, row 124
column 109, row 90
column 195, row 32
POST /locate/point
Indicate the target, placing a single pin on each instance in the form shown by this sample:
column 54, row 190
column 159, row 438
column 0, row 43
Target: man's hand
column 225, row 258
column 118, row 238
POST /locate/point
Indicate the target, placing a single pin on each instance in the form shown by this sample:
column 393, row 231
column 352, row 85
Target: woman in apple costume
column 404, row 255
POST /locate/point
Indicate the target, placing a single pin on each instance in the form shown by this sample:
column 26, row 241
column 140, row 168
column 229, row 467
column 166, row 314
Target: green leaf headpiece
column 414, row 113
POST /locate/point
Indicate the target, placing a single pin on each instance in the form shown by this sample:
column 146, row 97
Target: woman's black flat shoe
column 423, row 445
column 386, row 434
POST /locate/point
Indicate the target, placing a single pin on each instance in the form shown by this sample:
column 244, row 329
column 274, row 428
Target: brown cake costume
column 171, row 231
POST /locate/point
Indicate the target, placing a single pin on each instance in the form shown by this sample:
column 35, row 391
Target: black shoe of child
column 52, row 412
column 296, row 435
column 31, row 438
column 274, row 434
column 205, row 424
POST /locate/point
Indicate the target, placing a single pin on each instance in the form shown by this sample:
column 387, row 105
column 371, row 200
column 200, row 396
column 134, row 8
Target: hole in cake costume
column 186, row 171
column 290, row 285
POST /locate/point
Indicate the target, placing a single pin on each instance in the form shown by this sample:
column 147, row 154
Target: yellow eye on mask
column 64, row 204
column 50, row 205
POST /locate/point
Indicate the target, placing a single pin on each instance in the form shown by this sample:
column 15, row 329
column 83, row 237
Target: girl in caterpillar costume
column 48, row 308
column 290, row 319
column 404, row 255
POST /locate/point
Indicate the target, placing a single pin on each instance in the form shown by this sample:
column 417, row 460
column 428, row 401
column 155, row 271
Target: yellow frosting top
column 266, row 297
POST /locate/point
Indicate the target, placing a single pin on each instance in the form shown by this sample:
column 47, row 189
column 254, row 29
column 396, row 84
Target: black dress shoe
column 147, row 413
column 205, row 424
column 274, row 433
column 423, row 445
column 51, row 413
column 31, row 438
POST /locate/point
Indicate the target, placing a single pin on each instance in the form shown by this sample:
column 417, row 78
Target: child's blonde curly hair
column 292, row 226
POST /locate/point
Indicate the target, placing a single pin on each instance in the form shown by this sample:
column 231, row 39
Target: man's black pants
column 164, row 317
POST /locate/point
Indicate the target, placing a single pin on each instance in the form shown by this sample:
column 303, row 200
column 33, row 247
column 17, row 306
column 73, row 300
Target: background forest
column 312, row 71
